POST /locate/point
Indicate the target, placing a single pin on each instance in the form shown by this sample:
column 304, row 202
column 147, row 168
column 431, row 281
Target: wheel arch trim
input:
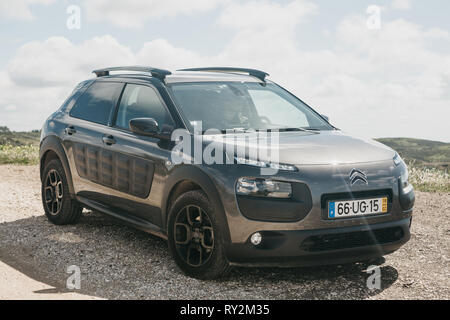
column 53, row 143
column 199, row 177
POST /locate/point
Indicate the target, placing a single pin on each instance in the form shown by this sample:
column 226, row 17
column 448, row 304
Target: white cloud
column 164, row 55
column 10, row 107
column 57, row 61
column 401, row 4
column 265, row 30
column 389, row 82
column 134, row 13
column 257, row 15
column 20, row 9
column 43, row 73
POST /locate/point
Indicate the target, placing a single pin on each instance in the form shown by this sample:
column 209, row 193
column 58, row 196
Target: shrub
column 25, row 154
column 429, row 179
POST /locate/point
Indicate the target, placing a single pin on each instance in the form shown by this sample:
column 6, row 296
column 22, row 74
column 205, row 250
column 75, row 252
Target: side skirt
column 128, row 219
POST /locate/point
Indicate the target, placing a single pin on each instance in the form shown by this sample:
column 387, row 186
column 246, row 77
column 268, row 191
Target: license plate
column 352, row 208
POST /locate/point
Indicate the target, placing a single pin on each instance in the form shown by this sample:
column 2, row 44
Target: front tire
column 195, row 237
column 59, row 207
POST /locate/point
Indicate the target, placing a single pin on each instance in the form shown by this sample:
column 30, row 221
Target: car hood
column 306, row 148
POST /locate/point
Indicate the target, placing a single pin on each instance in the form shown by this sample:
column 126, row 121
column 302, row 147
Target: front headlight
column 406, row 187
column 265, row 164
column 397, row 159
column 263, row 188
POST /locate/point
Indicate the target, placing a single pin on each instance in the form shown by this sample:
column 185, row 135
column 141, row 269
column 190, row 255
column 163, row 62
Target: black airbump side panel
column 127, row 174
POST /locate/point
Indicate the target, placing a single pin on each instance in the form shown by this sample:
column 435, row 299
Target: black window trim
column 108, row 123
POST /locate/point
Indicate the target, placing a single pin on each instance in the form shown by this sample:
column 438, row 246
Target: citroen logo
column 357, row 175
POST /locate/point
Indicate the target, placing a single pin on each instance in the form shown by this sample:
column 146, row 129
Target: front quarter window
column 140, row 101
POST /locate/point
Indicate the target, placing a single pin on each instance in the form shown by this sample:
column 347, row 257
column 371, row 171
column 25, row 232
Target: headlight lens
column 397, row 159
column 404, row 178
column 404, row 183
column 263, row 188
column 265, row 164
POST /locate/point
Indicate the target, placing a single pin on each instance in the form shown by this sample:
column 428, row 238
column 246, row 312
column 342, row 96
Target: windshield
column 244, row 106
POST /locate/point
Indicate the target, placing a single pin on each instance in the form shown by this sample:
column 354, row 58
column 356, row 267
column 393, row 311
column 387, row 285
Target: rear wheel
column 59, row 207
column 195, row 237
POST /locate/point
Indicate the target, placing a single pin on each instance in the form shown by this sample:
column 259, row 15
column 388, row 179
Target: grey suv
column 313, row 195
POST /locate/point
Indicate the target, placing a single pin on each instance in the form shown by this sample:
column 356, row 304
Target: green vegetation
column 429, row 179
column 19, row 147
column 428, row 161
column 26, row 154
column 19, row 138
column 426, row 153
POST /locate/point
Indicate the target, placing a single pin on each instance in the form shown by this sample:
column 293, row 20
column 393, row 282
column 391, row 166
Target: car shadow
column 119, row 262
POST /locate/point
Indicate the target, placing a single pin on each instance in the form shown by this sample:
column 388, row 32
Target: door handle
column 109, row 140
column 70, row 130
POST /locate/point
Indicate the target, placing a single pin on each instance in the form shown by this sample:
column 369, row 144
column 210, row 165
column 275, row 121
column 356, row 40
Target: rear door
column 86, row 132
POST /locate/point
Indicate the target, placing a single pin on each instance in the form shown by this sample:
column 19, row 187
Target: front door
column 139, row 161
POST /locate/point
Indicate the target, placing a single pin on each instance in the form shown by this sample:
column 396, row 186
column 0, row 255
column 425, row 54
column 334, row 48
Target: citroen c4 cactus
column 226, row 165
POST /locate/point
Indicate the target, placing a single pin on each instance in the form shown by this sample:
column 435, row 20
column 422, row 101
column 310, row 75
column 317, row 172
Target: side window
column 141, row 102
column 96, row 103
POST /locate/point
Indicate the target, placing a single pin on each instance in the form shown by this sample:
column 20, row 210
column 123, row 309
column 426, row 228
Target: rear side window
column 141, row 102
column 96, row 103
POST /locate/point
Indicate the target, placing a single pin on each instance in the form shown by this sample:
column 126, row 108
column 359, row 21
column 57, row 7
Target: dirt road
column 119, row 262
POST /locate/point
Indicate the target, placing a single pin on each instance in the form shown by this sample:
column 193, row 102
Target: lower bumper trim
column 321, row 247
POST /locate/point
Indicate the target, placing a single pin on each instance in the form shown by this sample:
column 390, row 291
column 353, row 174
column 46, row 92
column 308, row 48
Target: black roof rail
column 155, row 72
column 255, row 73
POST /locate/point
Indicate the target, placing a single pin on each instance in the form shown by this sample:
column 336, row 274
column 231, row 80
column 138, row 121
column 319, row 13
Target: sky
column 378, row 68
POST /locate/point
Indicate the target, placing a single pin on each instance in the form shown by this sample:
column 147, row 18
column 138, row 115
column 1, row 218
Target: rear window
column 96, row 103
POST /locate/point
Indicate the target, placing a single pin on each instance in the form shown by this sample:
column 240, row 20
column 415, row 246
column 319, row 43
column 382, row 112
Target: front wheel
column 59, row 207
column 195, row 237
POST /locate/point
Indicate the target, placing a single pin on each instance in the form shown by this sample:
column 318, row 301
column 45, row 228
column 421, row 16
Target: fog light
column 256, row 238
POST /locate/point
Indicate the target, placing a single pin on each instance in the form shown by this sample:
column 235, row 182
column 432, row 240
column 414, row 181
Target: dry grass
column 24, row 154
column 429, row 179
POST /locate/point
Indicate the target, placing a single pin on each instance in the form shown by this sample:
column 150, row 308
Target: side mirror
column 325, row 117
column 146, row 127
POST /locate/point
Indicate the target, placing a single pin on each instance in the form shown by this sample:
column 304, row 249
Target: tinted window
column 232, row 105
column 141, row 102
column 96, row 103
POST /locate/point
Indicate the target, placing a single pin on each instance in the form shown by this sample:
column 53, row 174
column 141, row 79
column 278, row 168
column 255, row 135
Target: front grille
column 352, row 239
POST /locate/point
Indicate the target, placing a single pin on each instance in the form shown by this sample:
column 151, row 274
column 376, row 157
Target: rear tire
column 59, row 207
column 195, row 237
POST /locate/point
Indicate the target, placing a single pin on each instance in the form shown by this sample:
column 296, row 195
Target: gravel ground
column 118, row 262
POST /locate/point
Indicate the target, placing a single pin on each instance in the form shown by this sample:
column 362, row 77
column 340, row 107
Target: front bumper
column 321, row 247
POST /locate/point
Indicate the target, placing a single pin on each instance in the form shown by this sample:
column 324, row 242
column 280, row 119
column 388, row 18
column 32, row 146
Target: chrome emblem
column 357, row 175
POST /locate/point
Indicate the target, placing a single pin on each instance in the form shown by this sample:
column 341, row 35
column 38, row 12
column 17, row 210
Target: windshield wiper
column 244, row 130
column 316, row 131
column 231, row 130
